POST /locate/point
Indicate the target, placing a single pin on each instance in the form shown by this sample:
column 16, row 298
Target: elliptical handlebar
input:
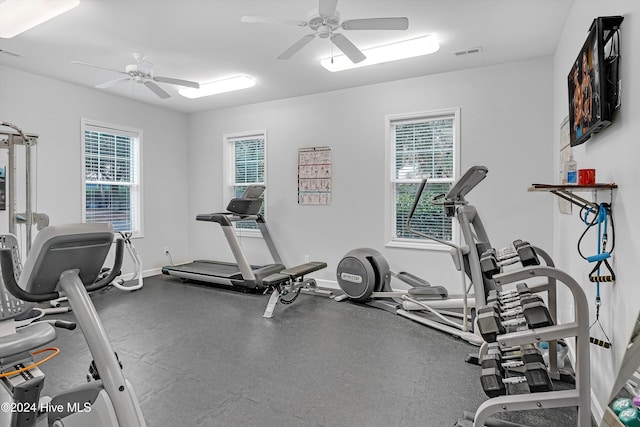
column 463, row 186
column 8, row 276
column 412, row 211
column 416, row 200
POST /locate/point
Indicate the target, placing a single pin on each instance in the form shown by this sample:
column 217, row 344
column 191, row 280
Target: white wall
column 510, row 120
column 614, row 153
column 53, row 110
column 506, row 124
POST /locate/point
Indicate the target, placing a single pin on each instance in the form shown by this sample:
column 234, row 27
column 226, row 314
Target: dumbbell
column 525, row 355
column 511, row 251
column 490, row 324
column 529, row 304
column 533, row 311
column 491, row 264
column 509, row 353
column 514, row 308
column 506, row 253
column 627, row 411
column 526, row 253
column 630, row 417
column 535, row 375
column 509, row 296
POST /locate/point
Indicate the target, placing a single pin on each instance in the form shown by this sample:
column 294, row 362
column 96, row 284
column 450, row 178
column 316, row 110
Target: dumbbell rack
column 579, row 328
column 551, row 289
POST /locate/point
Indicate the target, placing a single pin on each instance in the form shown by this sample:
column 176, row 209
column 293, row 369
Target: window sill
column 421, row 245
column 248, row 233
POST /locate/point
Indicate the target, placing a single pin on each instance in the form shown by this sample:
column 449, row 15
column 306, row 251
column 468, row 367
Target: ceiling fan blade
column 111, row 83
column 348, row 48
column 98, row 66
column 178, row 82
column 376, row 24
column 8, row 52
column 296, row 46
column 327, row 7
column 157, row 89
column 269, row 20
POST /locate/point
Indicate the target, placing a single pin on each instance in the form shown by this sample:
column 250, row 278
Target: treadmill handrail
column 226, row 218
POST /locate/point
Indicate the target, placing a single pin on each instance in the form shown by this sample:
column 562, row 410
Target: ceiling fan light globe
column 324, row 32
column 145, row 67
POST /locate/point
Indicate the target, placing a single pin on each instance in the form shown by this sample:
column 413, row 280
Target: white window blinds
column 246, row 161
column 422, row 146
column 111, row 177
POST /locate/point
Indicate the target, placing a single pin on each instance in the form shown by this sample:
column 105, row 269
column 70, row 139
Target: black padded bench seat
column 293, row 273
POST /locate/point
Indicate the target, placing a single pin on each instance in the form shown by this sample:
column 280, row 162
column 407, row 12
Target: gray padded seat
column 26, row 339
column 57, row 246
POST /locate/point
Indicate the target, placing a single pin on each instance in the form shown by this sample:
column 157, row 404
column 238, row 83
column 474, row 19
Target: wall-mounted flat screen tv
column 593, row 80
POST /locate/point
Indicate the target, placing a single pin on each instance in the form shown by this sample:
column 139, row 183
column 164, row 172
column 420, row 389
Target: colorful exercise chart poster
column 314, row 176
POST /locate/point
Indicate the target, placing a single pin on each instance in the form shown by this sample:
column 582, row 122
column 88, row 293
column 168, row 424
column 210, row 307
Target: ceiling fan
column 324, row 22
column 142, row 72
column 8, row 52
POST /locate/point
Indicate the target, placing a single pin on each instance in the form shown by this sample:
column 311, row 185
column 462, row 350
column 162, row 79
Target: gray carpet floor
column 201, row 356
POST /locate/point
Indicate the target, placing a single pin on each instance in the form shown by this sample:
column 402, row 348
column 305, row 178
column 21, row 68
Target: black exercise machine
column 241, row 275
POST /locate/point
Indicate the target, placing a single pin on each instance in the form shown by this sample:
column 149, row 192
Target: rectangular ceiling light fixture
column 411, row 48
column 18, row 16
column 219, row 86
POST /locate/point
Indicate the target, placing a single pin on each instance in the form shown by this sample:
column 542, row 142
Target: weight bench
column 290, row 281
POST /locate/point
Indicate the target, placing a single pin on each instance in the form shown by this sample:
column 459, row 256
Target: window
column 111, row 176
column 420, row 145
column 245, row 163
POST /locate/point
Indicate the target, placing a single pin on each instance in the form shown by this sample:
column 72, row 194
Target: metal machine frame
column 448, row 313
column 241, row 274
column 250, row 276
column 580, row 396
column 9, row 140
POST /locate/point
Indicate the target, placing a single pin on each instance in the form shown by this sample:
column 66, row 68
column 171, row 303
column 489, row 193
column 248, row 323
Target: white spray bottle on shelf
column 571, row 170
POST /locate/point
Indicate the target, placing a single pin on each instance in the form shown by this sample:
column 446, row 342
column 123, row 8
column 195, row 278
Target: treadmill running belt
column 205, row 268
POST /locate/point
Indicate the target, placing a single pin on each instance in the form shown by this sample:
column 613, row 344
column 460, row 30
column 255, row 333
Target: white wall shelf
column 568, row 192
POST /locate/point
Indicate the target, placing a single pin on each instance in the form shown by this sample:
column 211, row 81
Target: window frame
column 391, row 180
column 229, row 139
column 136, row 184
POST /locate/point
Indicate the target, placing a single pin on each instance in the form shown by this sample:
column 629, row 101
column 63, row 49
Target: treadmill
column 240, row 275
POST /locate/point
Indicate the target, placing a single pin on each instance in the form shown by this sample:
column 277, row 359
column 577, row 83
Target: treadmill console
column 249, row 203
column 253, row 191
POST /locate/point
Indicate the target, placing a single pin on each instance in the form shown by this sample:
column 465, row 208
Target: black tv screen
column 593, row 82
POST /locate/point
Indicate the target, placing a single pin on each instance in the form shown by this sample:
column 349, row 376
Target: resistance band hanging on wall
column 601, row 218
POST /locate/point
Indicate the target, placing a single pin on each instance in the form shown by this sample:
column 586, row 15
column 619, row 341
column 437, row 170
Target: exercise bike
column 133, row 284
column 65, row 258
column 365, row 277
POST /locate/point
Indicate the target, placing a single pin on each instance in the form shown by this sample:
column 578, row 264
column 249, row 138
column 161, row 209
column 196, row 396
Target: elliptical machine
column 365, row 277
column 66, row 258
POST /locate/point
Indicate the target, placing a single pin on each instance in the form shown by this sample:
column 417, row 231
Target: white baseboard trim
column 145, row 273
column 597, row 413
